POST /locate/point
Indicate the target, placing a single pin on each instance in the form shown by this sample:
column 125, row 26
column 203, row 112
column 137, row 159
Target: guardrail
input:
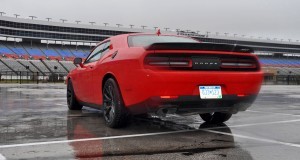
column 282, row 79
column 32, row 77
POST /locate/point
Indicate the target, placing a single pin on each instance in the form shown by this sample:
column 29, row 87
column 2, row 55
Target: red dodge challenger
column 134, row 74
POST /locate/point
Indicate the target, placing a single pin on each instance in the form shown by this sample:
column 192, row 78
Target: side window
column 105, row 48
column 96, row 54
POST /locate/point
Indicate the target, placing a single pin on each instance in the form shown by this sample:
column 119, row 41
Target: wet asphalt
column 36, row 124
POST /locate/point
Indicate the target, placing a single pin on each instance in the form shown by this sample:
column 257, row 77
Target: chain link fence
column 282, row 79
column 32, row 77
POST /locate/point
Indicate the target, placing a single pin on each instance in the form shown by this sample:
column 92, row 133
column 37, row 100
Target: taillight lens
column 168, row 61
column 237, row 63
column 202, row 62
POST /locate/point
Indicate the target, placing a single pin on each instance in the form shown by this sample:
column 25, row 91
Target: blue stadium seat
column 80, row 54
column 50, row 52
column 65, row 53
column 276, row 62
column 19, row 51
column 34, row 51
column 5, row 50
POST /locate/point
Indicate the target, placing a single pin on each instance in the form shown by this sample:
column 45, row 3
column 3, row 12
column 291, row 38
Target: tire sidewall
column 120, row 112
column 74, row 104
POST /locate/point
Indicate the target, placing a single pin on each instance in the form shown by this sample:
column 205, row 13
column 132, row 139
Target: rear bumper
column 186, row 105
column 141, row 86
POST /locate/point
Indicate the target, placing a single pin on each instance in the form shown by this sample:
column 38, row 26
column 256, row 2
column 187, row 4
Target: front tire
column 216, row 117
column 72, row 102
column 114, row 112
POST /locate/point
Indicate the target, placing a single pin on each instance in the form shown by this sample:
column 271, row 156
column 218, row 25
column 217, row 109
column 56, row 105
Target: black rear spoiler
column 200, row 46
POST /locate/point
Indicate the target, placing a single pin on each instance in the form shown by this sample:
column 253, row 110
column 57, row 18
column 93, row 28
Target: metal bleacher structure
column 43, row 48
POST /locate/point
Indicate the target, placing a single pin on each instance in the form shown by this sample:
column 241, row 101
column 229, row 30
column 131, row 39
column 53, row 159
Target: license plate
column 210, row 92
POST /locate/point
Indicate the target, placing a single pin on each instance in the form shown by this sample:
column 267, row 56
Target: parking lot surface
column 36, row 124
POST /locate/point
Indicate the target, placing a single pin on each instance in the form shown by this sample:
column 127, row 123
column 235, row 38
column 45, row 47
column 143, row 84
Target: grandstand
column 46, row 48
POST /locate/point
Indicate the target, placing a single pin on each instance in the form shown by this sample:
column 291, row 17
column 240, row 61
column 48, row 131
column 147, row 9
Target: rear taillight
column 168, row 61
column 205, row 62
column 238, row 63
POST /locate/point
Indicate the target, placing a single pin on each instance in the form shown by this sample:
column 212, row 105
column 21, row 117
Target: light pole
column 17, row 15
column 207, row 34
column 77, row 22
column 63, row 20
column 131, row 25
column 105, row 24
column 92, row 23
column 166, row 29
column 32, row 17
column 2, row 13
column 143, row 27
column 27, row 69
column 119, row 25
column 289, row 76
column 55, row 68
column 48, row 19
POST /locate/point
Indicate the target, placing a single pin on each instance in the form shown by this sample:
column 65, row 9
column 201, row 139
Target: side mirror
column 78, row 61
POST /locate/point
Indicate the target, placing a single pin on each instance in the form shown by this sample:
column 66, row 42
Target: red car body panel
column 138, row 83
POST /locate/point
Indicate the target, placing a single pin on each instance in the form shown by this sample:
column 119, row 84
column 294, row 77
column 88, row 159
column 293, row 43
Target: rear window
column 147, row 40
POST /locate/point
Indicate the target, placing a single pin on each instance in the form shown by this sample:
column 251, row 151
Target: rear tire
column 72, row 102
column 216, row 117
column 114, row 112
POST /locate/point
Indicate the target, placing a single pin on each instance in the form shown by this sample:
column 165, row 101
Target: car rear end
column 190, row 78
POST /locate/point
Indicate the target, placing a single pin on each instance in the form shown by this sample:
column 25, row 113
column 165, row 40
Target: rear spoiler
column 200, row 46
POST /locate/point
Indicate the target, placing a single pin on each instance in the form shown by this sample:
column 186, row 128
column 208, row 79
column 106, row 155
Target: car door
column 88, row 72
column 96, row 77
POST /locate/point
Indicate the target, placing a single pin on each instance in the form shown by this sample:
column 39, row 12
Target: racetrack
column 36, row 124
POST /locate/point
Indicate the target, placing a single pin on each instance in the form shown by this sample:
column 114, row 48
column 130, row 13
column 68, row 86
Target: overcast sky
column 265, row 18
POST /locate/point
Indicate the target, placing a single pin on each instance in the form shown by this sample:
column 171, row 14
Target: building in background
column 48, row 48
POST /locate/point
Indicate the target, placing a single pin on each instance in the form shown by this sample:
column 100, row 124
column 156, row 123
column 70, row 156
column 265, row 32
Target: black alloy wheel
column 72, row 102
column 114, row 112
column 216, row 117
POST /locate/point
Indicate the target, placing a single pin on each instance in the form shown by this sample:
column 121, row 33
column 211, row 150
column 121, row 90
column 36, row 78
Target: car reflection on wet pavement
column 35, row 124
column 189, row 142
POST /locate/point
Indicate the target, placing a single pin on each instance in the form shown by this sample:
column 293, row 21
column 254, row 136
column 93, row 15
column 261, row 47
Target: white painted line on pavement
column 286, row 114
column 2, row 157
column 254, row 138
column 258, row 124
column 92, row 139
column 150, row 134
column 58, row 104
